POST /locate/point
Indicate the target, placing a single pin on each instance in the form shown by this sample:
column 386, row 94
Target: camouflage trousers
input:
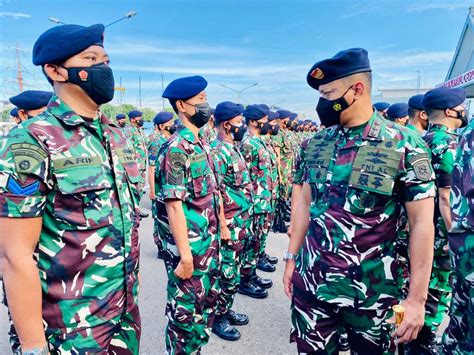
column 231, row 261
column 459, row 336
column 261, row 228
column 317, row 326
column 156, row 233
column 141, row 185
column 248, row 257
column 439, row 298
column 190, row 310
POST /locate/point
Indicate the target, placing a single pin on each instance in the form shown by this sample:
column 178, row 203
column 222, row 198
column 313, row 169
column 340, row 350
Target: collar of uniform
column 187, row 134
column 107, row 121
column 371, row 131
column 439, row 127
column 63, row 112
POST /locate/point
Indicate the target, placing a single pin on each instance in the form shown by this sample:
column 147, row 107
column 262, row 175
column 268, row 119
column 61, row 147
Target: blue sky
column 241, row 42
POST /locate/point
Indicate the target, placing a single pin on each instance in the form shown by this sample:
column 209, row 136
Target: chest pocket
column 316, row 161
column 203, row 180
column 372, row 179
column 83, row 199
column 238, row 168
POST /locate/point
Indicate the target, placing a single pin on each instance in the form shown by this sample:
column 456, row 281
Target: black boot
column 143, row 214
column 249, row 288
column 261, row 282
column 264, row 265
column 224, row 330
column 271, row 259
column 237, row 318
column 159, row 255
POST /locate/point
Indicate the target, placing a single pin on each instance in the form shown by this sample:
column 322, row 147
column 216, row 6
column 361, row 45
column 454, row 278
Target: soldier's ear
column 55, row 72
column 180, row 105
column 359, row 89
column 22, row 115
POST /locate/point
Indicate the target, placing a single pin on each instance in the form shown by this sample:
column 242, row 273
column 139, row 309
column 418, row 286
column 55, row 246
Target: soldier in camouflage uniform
column 188, row 212
column 442, row 107
column 139, row 140
column 398, row 113
column 459, row 336
column 69, row 196
column 208, row 132
column 355, row 174
column 286, row 149
column 163, row 129
column 237, row 194
column 418, row 119
column 31, row 103
column 258, row 162
column 122, row 122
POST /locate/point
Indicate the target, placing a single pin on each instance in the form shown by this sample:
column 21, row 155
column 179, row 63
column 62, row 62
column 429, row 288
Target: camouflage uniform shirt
column 80, row 177
column 359, row 177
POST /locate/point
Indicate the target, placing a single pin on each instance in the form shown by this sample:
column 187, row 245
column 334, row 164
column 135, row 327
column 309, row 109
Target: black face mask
column 122, row 123
column 97, row 81
column 461, row 115
column 202, row 114
column 275, row 129
column 264, row 128
column 237, row 132
column 329, row 111
column 171, row 129
column 140, row 123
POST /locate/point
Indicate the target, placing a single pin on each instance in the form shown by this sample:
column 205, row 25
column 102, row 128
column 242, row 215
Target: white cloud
column 131, row 47
column 247, row 71
column 15, row 15
column 411, row 59
column 448, row 6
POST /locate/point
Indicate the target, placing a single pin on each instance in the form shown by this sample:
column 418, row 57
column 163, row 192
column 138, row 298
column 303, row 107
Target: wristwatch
column 288, row 256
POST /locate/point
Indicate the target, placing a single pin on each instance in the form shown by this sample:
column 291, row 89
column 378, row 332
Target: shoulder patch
column 27, row 157
column 422, row 167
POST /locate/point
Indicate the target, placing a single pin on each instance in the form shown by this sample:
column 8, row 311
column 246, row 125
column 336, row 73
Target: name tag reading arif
column 72, row 162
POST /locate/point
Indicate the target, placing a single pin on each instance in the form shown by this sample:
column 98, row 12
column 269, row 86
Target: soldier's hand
column 287, row 275
column 152, row 195
column 413, row 320
column 225, row 233
column 185, row 269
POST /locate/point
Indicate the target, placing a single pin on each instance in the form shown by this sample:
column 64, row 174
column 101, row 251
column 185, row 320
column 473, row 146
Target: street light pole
column 126, row 16
column 239, row 92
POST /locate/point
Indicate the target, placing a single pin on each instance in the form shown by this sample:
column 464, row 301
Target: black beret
column 442, row 98
column 415, row 102
column 60, row 43
column 381, row 106
column 185, row 88
column 227, row 110
column 31, row 99
column 398, row 110
column 162, row 117
column 344, row 63
column 256, row 112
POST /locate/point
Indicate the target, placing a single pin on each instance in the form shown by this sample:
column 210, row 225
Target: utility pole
column 140, row 92
column 19, row 73
column 239, row 92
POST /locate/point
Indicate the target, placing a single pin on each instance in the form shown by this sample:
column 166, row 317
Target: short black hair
column 412, row 112
column 433, row 113
column 173, row 105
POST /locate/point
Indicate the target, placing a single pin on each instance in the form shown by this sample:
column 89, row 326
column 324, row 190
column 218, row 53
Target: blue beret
column 272, row 115
column 162, row 117
column 14, row 112
column 293, row 116
column 120, row 116
column 134, row 114
column 255, row 112
column 60, row 43
column 227, row 110
column 31, row 99
column 381, row 106
column 284, row 113
column 185, row 88
column 344, row 63
column 416, row 102
column 442, row 98
column 397, row 110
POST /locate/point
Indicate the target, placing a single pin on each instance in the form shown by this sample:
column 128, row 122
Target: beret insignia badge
column 317, row 74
